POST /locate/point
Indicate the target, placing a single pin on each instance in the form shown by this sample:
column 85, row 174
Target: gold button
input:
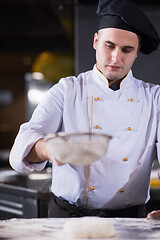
column 129, row 128
column 93, row 188
column 96, row 126
column 125, row 159
column 131, row 99
column 121, row 190
column 97, row 98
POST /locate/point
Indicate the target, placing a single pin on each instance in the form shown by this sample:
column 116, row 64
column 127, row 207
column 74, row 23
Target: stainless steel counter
column 52, row 228
column 24, row 196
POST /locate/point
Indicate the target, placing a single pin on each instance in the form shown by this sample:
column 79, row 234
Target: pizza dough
column 88, row 227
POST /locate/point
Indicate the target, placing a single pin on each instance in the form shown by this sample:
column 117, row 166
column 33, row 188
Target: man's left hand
column 154, row 215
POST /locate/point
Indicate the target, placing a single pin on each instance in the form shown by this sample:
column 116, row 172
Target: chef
column 124, row 107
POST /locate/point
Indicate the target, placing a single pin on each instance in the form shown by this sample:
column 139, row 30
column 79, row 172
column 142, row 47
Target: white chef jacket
column 131, row 115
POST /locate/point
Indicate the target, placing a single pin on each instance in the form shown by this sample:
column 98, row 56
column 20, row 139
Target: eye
column 110, row 46
column 127, row 50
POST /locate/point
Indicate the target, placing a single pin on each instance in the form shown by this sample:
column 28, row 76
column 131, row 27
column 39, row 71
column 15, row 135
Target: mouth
column 114, row 67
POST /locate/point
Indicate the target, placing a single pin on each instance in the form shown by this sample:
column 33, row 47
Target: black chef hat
column 124, row 14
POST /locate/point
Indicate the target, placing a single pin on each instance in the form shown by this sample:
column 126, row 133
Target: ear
column 139, row 47
column 138, row 50
column 95, row 41
column 140, row 44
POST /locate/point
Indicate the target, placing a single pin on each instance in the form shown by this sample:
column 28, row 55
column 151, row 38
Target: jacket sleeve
column 47, row 118
column 158, row 127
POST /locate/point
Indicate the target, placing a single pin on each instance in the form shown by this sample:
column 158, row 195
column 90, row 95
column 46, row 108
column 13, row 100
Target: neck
column 115, row 82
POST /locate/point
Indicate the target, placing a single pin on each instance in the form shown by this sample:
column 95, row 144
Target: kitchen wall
column 34, row 36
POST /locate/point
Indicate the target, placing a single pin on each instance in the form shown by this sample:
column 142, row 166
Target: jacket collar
column 128, row 86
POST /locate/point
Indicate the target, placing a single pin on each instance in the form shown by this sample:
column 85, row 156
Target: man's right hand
column 40, row 152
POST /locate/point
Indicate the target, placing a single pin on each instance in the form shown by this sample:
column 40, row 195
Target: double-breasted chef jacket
column 131, row 115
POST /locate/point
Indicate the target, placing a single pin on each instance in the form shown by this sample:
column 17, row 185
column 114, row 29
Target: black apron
column 60, row 208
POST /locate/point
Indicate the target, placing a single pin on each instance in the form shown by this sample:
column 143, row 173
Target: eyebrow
column 127, row 46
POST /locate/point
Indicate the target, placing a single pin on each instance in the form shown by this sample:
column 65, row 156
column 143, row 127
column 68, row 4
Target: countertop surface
column 52, row 228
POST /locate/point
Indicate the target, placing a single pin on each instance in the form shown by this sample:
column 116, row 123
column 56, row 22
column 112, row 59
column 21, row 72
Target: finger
column 154, row 215
column 56, row 162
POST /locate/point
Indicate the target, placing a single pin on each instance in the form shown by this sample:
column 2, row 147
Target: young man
column 118, row 184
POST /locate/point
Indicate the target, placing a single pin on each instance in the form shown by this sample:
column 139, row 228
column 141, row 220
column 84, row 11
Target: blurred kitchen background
column 40, row 42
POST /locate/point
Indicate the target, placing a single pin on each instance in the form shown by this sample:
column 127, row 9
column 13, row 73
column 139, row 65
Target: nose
column 116, row 55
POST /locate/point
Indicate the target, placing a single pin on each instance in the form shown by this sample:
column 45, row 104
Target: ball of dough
column 88, row 227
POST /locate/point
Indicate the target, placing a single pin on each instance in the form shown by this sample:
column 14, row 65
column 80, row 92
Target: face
column 116, row 51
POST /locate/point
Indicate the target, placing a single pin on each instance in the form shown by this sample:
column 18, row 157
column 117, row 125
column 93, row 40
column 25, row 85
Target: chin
column 112, row 78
